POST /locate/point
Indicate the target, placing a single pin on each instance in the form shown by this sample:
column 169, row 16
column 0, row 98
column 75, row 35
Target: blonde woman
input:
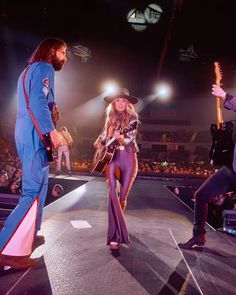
column 121, row 123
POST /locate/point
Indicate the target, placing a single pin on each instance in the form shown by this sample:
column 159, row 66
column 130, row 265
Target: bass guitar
column 46, row 138
column 104, row 155
column 222, row 148
column 55, row 115
column 50, row 150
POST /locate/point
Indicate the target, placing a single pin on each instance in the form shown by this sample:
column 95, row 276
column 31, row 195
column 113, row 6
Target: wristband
column 228, row 97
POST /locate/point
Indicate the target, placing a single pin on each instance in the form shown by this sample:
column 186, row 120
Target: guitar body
column 105, row 155
column 50, row 151
column 222, row 149
column 102, row 158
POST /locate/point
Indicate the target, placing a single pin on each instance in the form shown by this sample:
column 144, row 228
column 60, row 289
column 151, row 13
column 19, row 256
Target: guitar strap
column 28, row 107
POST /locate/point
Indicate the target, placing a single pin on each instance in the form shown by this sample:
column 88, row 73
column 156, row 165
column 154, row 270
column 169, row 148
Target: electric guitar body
column 222, row 148
column 50, row 150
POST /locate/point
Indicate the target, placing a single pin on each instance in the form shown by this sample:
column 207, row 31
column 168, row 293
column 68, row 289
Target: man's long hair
column 117, row 120
column 45, row 50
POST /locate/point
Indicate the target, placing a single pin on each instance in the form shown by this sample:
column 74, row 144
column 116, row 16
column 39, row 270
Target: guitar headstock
column 132, row 126
column 218, row 72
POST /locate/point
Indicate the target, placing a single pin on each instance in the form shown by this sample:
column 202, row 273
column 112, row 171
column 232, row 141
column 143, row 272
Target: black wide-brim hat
column 121, row 93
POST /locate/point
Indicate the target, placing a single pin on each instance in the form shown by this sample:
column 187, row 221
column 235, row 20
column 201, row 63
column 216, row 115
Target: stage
column 75, row 259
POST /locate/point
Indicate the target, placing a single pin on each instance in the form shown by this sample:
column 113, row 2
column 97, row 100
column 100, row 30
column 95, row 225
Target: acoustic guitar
column 104, row 155
column 222, row 148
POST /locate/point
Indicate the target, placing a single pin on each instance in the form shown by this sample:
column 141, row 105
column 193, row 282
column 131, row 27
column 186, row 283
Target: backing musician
column 66, row 142
column 217, row 184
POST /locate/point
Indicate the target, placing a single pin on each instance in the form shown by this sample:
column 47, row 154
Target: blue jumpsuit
column 39, row 85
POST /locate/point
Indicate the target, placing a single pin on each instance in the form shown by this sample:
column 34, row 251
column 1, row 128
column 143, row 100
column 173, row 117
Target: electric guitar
column 46, row 139
column 104, row 155
column 50, row 150
column 221, row 152
column 55, row 115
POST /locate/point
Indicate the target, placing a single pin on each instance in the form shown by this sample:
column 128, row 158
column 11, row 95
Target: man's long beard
column 57, row 64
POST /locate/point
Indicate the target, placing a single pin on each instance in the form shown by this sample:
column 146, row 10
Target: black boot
column 193, row 242
column 38, row 241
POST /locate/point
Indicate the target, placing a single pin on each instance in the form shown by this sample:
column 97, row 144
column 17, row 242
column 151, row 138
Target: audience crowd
column 10, row 167
column 10, row 175
column 175, row 136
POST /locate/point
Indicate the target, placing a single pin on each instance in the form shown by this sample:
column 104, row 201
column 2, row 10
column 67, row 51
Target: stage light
column 163, row 92
column 140, row 20
column 153, row 13
column 110, row 87
column 137, row 20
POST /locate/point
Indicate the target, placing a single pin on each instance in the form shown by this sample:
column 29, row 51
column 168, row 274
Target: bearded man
column 35, row 103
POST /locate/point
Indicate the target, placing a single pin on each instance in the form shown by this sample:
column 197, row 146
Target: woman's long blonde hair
column 117, row 120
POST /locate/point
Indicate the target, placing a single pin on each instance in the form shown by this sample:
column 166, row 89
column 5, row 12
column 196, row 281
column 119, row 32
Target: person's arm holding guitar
column 119, row 137
column 105, row 146
column 122, row 138
column 229, row 100
column 218, row 91
column 100, row 141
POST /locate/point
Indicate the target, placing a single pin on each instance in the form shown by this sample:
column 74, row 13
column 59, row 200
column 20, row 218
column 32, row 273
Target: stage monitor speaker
column 229, row 220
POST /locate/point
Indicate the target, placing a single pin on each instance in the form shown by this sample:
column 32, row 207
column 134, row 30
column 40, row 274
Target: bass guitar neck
column 218, row 78
column 218, row 112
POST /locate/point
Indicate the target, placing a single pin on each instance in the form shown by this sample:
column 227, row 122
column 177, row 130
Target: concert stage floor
column 76, row 260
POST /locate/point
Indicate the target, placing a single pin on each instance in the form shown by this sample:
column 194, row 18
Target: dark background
column 136, row 59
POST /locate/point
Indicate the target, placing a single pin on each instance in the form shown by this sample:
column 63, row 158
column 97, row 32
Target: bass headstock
column 218, row 72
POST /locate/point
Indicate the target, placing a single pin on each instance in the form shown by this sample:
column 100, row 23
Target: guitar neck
column 219, row 112
column 218, row 77
column 110, row 142
column 133, row 125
